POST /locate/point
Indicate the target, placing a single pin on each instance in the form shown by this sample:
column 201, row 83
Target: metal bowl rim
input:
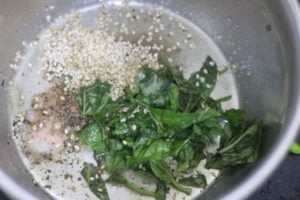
column 289, row 130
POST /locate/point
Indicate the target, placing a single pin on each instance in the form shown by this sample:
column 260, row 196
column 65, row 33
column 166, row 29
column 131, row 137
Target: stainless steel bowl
column 262, row 36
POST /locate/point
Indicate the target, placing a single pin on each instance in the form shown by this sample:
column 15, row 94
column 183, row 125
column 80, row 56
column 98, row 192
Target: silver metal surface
column 262, row 37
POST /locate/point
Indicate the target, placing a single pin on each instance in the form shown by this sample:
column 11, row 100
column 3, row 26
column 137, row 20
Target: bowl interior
column 253, row 35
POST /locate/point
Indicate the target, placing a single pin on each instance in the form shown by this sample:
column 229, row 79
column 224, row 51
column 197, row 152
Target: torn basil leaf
column 166, row 117
column 94, row 181
column 197, row 181
column 119, row 179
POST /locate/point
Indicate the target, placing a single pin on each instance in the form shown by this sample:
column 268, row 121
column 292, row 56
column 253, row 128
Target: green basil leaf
column 189, row 157
column 198, row 181
column 119, row 179
column 154, row 87
column 241, row 149
column 92, row 136
column 180, row 120
column 93, row 99
column 204, row 81
column 116, row 161
column 96, row 185
column 157, row 150
column 174, row 96
column 162, row 172
column 161, row 191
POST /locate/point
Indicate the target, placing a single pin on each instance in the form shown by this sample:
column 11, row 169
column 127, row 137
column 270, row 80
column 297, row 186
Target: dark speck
column 268, row 28
column 2, row 83
column 48, row 186
column 66, row 176
column 26, row 121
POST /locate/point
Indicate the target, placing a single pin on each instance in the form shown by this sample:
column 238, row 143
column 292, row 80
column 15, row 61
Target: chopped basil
column 165, row 116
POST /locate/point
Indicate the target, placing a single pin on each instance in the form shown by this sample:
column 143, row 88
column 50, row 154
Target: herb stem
column 117, row 178
column 249, row 131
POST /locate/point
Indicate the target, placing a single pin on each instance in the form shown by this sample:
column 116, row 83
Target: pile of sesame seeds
column 76, row 56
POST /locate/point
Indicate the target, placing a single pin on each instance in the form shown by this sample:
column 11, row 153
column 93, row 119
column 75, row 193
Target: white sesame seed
column 133, row 127
column 41, row 125
column 48, row 18
column 124, row 142
column 13, row 66
column 66, row 131
column 211, row 63
column 192, row 46
column 72, row 137
column 77, row 148
column 45, row 112
column 131, row 116
column 51, row 7
column 34, row 127
column 125, row 109
column 57, row 126
column 24, row 43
